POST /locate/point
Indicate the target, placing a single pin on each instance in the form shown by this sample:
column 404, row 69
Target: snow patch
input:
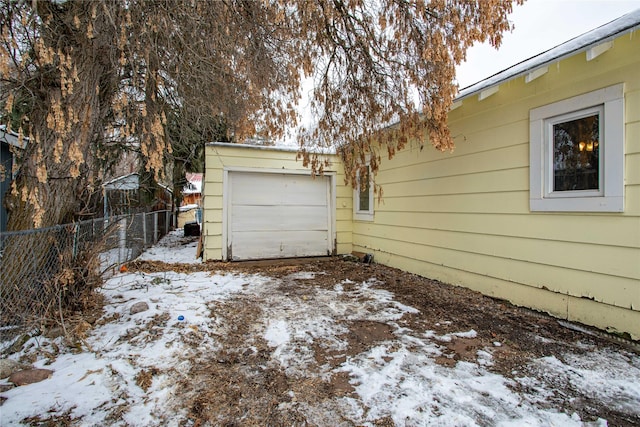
column 173, row 248
column 277, row 334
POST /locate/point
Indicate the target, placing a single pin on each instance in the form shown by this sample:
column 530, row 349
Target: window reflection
column 576, row 150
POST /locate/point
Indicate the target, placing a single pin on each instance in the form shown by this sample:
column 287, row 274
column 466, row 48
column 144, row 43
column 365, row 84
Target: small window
column 577, row 153
column 363, row 198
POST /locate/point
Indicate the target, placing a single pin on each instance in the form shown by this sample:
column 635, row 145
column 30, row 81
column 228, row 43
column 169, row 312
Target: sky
column 539, row 26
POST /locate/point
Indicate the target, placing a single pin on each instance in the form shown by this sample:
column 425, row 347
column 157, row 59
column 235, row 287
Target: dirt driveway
column 241, row 385
column 324, row 343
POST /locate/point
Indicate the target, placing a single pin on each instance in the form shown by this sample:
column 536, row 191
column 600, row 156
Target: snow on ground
column 173, row 248
column 103, row 384
column 94, row 382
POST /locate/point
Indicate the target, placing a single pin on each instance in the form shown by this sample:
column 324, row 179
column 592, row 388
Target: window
column 363, row 199
column 577, row 153
column 576, row 163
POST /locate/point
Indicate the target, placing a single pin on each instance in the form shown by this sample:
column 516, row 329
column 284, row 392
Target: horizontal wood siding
column 463, row 217
column 219, row 157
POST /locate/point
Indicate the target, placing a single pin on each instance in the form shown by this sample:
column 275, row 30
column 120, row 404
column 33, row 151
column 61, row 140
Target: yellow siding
column 464, row 217
column 219, row 157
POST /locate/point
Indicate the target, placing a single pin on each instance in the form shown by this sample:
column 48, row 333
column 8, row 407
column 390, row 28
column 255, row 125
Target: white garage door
column 276, row 215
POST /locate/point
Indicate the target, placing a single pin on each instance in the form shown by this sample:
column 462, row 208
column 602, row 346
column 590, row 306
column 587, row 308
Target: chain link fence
column 43, row 270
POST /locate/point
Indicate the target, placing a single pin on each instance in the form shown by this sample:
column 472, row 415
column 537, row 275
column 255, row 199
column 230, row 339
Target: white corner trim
column 226, row 197
column 595, row 51
column 532, row 75
column 488, row 92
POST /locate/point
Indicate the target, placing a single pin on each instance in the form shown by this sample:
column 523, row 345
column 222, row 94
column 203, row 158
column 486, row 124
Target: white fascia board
column 595, row 51
column 538, row 72
column 12, row 138
column 488, row 92
column 125, row 182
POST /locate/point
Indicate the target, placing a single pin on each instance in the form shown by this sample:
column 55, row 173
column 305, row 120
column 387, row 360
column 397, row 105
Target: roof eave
column 607, row 32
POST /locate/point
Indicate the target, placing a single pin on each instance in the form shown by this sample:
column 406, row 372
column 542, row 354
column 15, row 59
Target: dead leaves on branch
column 383, row 74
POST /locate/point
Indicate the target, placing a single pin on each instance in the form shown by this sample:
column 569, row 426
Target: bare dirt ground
column 236, row 385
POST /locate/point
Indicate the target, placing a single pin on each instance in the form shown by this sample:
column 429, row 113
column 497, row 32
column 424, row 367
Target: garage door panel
column 267, row 189
column 265, row 218
column 283, row 244
column 256, row 189
column 278, row 215
column 304, row 190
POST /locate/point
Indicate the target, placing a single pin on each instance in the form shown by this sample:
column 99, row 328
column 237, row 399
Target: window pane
column 363, row 199
column 576, row 148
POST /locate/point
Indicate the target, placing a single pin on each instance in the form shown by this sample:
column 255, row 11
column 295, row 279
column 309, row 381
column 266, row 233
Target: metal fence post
column 144, row 229
column 76, row 232
column 155, row 226
column 167, row 218
column 122, row 240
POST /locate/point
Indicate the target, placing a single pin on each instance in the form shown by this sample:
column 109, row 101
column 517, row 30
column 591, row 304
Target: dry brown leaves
column 144, row 378
column 61, row 420
column 160, row 266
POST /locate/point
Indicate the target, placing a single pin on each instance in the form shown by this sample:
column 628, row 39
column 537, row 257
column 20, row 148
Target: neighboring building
column 190, row 209
column 121, row 195
column 192, row 191
column 8, row 141
column 126, row 195
column 538, row 205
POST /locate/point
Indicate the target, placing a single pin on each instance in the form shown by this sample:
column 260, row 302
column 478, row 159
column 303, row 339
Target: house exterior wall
column 6, row 164
column 464, row 217
column 229, row 157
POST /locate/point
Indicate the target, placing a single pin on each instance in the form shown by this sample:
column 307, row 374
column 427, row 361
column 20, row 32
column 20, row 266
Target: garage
column 277, row 215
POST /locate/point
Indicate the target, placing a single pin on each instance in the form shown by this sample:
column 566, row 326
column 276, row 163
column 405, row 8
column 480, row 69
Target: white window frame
column 363, row 214
column 549, row 153
column 609, row 197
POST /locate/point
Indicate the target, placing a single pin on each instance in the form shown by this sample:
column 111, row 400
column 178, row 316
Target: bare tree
column 98, row 74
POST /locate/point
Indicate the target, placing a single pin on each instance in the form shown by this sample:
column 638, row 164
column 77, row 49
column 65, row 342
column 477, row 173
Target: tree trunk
column 67, row 119
column 72, row 98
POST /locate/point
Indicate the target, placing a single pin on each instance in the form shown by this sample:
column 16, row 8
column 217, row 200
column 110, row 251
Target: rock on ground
column 30, row 376
column 139, row 307
column 8, row 366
